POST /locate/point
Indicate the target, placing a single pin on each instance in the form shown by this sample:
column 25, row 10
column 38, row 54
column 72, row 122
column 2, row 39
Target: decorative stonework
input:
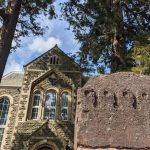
column 32, row 132
column 32, row 79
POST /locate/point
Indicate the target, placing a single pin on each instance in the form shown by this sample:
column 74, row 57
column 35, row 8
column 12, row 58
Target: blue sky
column 32, row 47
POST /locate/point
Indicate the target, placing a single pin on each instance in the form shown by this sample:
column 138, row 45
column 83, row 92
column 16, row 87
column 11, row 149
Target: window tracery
column 4, row 108
column 64, row 106
column 50, row 105
column 36, row 105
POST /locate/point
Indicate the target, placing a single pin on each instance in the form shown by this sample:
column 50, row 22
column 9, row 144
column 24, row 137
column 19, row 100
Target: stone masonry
column 113, row 112
column 42, row 103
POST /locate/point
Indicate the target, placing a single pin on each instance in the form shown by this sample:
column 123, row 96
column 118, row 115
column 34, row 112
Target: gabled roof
column 29, row 127
column 12, row 79
column 60, row 129
column 50, row 51
column 58, row 73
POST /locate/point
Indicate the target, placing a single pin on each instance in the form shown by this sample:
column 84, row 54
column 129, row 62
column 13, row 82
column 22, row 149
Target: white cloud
column 41, row 45
column 29, row 52
column 12, row 65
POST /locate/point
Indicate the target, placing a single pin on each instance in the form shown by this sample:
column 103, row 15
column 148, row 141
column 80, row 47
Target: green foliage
column 30, row 12
column 141, row 54
column 96, row 22
column 106, row 29
column 85, row 64
column 101, row 69
column 28, row 22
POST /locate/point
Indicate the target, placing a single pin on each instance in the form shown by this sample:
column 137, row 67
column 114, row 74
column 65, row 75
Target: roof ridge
column 41, row 55
column 51, row 50
column 42, row 124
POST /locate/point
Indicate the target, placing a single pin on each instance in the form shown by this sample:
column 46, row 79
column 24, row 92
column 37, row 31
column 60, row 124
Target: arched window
column 50, row 105
column 64, row 106
column 4, row 108
column 35, row 106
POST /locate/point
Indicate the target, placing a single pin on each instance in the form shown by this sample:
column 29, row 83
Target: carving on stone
column 115, row 104
column 107, row 99
column 143, row 94
column 90, row 97
column 122, row 117
column 127, row 98
column 143, row 98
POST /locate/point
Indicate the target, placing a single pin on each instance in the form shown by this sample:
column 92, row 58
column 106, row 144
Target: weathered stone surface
column 33, row 131
column 113, row 111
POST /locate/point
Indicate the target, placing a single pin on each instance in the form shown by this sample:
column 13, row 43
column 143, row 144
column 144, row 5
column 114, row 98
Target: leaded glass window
column 36, row 104
column 4, row 108
column 50, row 106
column 64, row 106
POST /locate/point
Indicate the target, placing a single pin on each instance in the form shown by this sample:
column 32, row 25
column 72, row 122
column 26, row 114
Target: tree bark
column 118, row 42
column 7, row 33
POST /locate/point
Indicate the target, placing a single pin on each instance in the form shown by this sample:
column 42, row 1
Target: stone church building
column 37, row 107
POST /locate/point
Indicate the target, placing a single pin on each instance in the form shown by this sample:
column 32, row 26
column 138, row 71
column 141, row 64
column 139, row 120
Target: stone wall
column 24, row 133
column 40, row 69
column 113, row 112
column 12, row 93
column 33, row 133
column 36, row 78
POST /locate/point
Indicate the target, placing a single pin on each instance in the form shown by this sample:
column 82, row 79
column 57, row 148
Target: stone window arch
column 64, row 106
column 50, row 105
column 36, row 105
column 4, row 109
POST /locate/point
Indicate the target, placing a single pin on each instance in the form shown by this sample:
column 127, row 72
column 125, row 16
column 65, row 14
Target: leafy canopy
column 30, row 13
column 141, row 54
column 96, row 22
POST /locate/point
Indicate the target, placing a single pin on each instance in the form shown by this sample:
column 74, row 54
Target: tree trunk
column 7, row 33
column 118, row 43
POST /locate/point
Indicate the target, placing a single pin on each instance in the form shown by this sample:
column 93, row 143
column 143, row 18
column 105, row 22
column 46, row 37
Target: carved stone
column 120, row 119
